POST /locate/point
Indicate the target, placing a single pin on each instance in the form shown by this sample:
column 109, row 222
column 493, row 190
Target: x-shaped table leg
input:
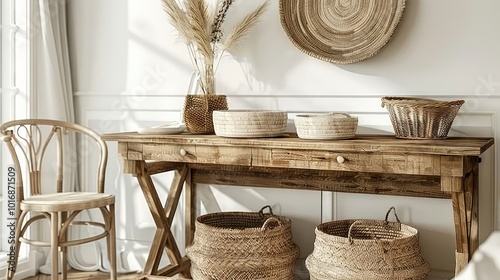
column 163, row 217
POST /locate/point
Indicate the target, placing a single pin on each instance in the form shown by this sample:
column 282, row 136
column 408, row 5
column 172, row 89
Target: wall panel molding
column 106, row 112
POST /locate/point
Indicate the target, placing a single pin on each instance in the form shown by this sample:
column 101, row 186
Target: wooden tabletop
column 465, row 146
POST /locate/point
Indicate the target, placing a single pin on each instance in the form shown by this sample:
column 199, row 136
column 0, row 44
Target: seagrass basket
column 242, row 245
column 249, row 123
column 326, row 126
column 366, row 249
column 420, row 118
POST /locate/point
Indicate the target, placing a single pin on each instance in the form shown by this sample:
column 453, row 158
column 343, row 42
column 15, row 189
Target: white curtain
column 53, row 91
column 53, row 99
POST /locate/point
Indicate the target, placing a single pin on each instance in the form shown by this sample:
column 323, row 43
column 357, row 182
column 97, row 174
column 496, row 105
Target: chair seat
column 68, row 201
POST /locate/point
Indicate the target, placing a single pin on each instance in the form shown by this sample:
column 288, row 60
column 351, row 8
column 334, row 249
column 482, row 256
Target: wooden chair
column 31, row 142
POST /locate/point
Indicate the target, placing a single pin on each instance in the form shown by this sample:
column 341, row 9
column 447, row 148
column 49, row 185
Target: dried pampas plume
column 244, row 27
column 202, row 32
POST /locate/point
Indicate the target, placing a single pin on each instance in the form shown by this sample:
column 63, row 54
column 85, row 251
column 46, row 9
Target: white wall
column 131, row 70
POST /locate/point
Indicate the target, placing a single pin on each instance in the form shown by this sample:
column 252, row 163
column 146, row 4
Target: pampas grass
column 243, row 28
column 200, row 27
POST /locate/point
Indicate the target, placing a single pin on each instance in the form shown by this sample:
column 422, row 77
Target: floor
column 80, row 275
column 85, row 275
column 300, row 274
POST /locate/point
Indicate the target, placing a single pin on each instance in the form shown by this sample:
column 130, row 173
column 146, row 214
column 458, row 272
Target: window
column 14, row 104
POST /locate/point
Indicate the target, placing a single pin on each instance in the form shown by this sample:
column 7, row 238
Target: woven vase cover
column 340, row 31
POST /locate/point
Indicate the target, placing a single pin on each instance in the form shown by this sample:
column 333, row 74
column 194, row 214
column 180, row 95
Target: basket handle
column 340, row 113
column 261, row 211
column 349, row 237
column 395, row 215
column 269, row 221
column 386, row 221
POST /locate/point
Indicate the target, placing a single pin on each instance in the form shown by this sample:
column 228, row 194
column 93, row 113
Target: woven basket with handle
column 243, row 245
column 366, row 249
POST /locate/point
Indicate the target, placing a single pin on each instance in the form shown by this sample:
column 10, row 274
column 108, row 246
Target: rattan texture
column 420, row 118
column 198, row 110
column 366, row 249
column 242, row 245
column 340, row 31
column 249, row 123
column 326, row 126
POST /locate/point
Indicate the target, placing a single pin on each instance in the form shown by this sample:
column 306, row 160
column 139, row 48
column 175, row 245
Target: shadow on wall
column 266, row 54
column 94, row 31
column 271, row 54
column 425, row 53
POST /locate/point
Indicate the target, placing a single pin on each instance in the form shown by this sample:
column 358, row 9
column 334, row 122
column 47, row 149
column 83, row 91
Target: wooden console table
column 372, row 164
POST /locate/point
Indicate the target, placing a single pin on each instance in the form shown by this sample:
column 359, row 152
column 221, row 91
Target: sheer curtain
column 53, row 99
column 53, row 91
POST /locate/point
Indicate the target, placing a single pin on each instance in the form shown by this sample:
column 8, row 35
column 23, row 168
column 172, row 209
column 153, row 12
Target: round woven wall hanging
column 340, row 31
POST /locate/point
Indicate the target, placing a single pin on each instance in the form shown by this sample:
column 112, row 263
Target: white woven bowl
column 326, row 126
column 249, row 123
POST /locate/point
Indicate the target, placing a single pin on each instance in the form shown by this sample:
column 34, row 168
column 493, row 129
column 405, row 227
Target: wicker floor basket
column 243, row 245
column 419, row 118
column 366, row 249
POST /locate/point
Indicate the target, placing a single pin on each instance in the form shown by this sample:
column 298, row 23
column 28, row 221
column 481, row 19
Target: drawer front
column 197, row 154
column 341, row 161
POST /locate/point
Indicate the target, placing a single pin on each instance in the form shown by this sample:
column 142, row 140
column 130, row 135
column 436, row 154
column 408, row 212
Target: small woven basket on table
column 366, row 249
column 242, row 245
column 326, row 126
column 249, row 123
column 420, row 118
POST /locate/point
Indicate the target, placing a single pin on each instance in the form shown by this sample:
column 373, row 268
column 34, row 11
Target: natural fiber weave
column 242, row 245
column 366, row 249
column 419, row 118
column 249, row 123
column 340, row 31
column 326, row 126
column 198, row 111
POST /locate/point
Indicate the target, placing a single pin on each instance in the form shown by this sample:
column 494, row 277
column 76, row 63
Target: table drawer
column 348, row 161
column 197, row 154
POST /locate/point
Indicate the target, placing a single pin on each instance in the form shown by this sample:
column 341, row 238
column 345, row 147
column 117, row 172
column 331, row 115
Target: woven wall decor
column 340, row 31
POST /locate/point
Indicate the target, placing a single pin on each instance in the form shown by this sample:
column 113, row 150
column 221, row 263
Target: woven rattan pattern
column 242, row 245
column 326, row 126
column 340, row 31
column 366, row 249
column 420, row 118
column 249, row 123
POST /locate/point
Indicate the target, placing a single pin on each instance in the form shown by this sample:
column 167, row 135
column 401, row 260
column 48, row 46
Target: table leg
column 162, row 216
column 473, row 191
column 190, row 211
column 466, row 217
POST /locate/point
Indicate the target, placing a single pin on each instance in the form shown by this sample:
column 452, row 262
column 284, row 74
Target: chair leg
column 12, row 262
column 111, row 241
column 64, row 249
column 54, row 221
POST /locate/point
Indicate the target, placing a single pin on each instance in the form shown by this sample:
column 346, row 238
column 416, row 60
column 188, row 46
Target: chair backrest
column 54, row 145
